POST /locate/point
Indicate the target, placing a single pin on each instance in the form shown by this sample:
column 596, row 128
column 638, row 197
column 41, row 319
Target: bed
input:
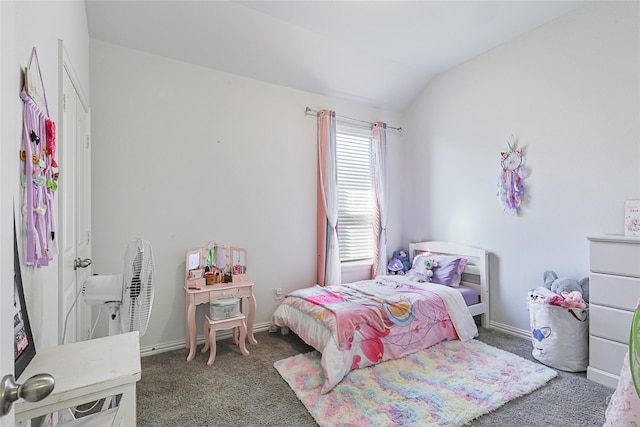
column 354, row 325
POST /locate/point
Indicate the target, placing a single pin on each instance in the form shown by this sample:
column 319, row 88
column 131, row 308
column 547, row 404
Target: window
column 355, row 193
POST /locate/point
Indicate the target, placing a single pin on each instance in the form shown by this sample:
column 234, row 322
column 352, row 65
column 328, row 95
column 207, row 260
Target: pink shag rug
column 448, row 384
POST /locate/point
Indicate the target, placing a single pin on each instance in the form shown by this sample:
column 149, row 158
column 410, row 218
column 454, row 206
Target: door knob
column 34, row 389
column 81, row 263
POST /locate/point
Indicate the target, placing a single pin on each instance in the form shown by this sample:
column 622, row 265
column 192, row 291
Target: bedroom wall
column 183, row 155
column 25, row 25
column 570, row 92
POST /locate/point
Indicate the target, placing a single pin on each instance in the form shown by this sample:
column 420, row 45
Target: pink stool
column 210, row 328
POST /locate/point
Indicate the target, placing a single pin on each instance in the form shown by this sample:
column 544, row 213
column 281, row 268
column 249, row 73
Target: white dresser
column 614, row 290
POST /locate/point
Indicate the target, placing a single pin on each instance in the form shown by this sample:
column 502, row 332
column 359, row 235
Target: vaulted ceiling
column 378, row 53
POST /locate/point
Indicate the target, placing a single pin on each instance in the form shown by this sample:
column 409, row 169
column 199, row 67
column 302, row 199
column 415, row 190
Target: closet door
column 75, row 207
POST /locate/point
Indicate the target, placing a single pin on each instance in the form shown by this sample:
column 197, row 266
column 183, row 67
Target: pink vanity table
column 217, row 271
column 204, row 295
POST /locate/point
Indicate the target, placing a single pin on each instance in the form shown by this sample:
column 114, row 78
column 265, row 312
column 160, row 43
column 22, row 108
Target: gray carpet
column 248, row 391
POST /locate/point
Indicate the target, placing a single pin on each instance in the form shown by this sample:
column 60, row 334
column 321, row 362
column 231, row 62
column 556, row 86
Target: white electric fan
column 128, row 295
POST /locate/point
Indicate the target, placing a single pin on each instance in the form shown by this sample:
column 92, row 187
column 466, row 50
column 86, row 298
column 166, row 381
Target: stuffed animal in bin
column 573, row 300
column 399, row 258
column 541, row 294
column 563, row 284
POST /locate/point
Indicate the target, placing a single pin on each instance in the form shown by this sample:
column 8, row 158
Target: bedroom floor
column 248, row 391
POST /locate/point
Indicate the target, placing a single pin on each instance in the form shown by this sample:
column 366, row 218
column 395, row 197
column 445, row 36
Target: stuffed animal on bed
column 395, row 267
column 399, row 259
column 416, row 276
column 563, row 284
column 430, row 264
column 403, row 256
column 423, row 276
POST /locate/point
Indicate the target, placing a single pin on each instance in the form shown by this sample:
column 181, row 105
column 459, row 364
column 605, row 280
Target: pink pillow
column 448, row 271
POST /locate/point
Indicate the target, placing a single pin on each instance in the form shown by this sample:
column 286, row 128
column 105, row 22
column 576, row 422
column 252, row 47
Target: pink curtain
column 328, row 248
column 379, row 154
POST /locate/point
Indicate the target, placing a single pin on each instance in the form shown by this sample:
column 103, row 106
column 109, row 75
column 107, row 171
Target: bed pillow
column 448, row 271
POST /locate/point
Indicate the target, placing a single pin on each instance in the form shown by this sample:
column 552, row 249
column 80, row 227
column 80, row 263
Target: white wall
column 570, row 92
column 183, row 155
column 25, row 25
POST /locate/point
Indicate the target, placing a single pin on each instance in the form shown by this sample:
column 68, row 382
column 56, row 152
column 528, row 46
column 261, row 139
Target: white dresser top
column 615, row 238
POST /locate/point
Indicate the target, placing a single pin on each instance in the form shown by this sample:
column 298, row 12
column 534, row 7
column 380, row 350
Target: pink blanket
column 373, row 308
column 394, row 317
column 354, row 306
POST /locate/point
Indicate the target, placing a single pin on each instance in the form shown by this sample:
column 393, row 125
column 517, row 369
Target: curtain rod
column 309, row 110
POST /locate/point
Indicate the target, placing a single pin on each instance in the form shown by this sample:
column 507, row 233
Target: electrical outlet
column 278, row 294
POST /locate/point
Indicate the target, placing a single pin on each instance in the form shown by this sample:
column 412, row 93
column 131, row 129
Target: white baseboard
column 259, row 327
column 510, row 330
column 181, row 344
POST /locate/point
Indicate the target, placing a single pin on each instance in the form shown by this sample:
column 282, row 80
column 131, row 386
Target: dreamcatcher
column 510, row 186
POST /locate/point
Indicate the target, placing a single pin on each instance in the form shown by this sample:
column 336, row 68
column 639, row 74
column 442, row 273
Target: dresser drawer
column 610, row 323
column 614, row 291
column 606, row 355
column 615, row 257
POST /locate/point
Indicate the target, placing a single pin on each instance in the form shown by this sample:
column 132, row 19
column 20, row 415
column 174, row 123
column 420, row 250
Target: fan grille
column 138, row 275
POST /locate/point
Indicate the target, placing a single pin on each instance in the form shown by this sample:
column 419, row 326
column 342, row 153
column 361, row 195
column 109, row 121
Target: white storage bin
column 560, row 336
column 224, row 308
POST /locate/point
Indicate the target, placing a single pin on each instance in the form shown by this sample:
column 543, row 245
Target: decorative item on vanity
column 510, row 186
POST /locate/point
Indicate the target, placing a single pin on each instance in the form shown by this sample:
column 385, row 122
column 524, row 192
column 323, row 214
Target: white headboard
column 475, row 273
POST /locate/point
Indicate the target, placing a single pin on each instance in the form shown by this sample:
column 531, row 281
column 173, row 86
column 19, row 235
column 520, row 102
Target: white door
column 6, row 259
column 75, row 220
column 6, row 304
column 6, row 309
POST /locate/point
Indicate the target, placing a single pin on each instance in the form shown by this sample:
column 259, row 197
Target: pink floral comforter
column 359, row 324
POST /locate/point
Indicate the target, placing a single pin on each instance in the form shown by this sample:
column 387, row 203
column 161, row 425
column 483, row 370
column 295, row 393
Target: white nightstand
column 87, row 371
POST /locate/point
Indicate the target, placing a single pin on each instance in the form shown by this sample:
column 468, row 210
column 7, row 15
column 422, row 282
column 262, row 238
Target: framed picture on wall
column 632, row 218
column 24, row 348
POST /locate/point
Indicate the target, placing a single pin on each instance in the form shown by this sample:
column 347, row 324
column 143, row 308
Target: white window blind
column 355, row 193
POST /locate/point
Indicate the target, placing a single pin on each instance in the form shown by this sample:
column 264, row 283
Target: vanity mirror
column 215, row 263
column 194, row 270
column 239, row 265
